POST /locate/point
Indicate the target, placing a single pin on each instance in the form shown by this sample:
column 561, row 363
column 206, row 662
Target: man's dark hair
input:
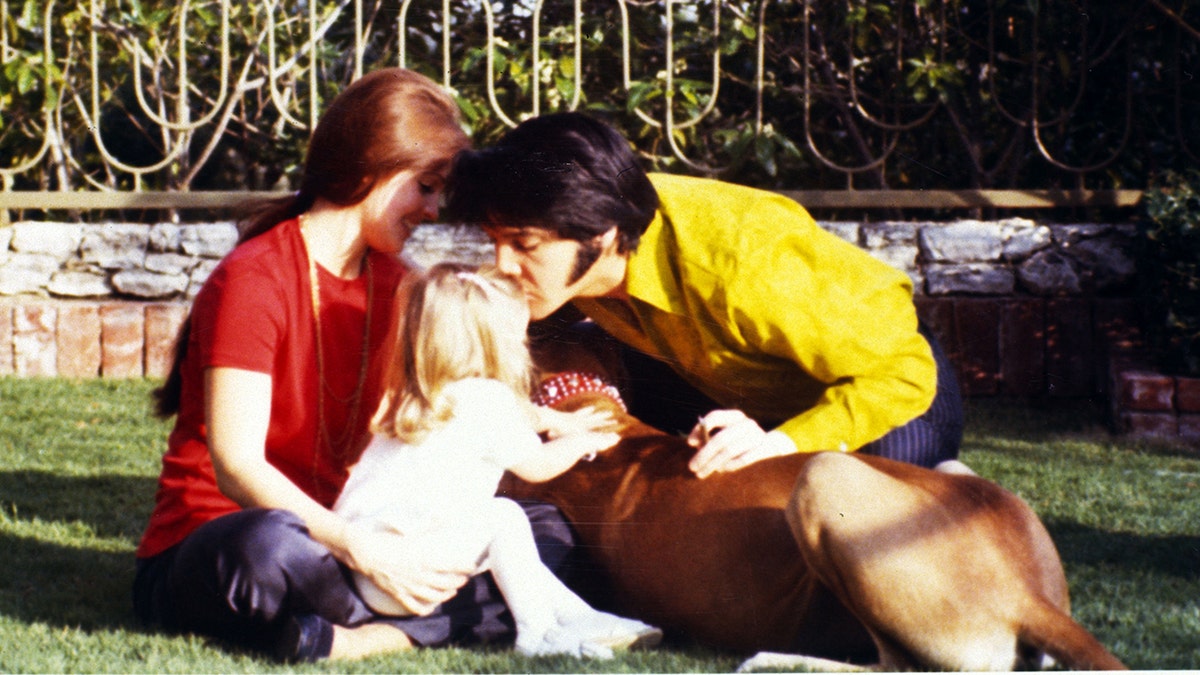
column 566, row 172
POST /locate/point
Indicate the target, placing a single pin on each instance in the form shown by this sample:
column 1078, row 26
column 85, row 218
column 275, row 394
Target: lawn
column 78, row 463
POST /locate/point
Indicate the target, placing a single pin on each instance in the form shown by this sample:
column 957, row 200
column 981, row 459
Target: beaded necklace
column 339, row 446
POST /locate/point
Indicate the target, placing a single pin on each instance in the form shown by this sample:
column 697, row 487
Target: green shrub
column 1169, row 261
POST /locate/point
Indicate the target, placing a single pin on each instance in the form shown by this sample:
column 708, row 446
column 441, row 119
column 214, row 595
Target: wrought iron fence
column 957, row 102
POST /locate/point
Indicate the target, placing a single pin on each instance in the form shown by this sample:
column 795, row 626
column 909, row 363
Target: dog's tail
column 1048, row 629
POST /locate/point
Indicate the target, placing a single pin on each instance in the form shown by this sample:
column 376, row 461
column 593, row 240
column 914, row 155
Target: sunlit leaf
column 26, row 78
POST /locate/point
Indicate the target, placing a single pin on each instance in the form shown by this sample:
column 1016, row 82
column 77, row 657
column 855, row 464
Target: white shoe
column 558, row 641
column 612, row 632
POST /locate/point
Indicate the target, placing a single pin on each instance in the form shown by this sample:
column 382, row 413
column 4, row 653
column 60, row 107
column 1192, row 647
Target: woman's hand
column 728, row 440
column 391, row 561
column 237, row 407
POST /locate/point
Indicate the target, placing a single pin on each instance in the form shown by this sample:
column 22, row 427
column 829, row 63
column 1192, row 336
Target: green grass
column 78, row 463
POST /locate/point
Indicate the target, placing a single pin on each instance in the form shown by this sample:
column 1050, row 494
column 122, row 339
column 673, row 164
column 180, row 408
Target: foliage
column 80, row 459
column 1169, row 260
column 911, row 94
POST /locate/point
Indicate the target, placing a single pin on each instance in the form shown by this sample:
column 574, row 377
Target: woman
column 273, row 387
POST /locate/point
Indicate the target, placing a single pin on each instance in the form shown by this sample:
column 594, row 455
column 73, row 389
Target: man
column 730, row 303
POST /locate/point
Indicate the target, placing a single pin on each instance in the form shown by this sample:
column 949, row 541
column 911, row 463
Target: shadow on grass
column 1000, row 422
column 1174, row 555
column 110, row 505
column 65, row 586
column 72, row 569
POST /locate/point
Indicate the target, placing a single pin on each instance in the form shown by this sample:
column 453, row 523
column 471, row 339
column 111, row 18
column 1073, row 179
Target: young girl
column 454, row 418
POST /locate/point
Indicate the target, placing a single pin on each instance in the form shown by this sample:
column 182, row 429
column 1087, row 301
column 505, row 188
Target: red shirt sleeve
column 240, row 316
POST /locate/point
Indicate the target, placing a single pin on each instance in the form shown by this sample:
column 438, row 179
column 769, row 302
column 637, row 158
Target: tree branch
column 1178, row 20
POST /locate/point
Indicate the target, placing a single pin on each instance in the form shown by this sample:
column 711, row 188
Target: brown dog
column 837, row 555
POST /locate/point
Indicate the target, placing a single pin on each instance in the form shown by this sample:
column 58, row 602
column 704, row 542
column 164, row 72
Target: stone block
column 844, row 230
column 164, row 238
column 1187, row 394
column 1050, row 272
column 1022, row 239
column 6, row 339
column 208, row 240
column 149, row 285
column 162, row 327
column 122, row 335
column 34, row 343
column 169, row 263
column 1145, row 391
column 1106, row 261
column 978, row 324
column 115, row 246
column 963, row 241
column 79, row 284
column 1023, row 347
column 57, row 240
column 891, row 233
column 78, row 338
column 200, row 274
column 1072, row 233
column 431, row 243
column 27, row 273
column 969, row 278
column 1070, row 349
column 1150, row 425
column 903, row 258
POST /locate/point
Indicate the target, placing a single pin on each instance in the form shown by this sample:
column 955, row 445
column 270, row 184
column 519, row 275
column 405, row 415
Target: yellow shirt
column 760, row 309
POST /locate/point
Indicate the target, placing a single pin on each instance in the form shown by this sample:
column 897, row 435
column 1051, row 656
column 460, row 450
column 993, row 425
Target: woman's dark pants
column 240, row 577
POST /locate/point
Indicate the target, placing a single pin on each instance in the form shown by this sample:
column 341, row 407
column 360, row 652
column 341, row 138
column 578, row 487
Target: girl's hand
column 390, row 561
column 555, row 423
column 586, row 444
column 728, row 440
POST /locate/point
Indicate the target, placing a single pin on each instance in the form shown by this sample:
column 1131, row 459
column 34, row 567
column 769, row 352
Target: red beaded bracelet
column 559, row 388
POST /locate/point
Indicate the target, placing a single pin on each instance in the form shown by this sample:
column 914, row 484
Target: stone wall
column 1023, row 309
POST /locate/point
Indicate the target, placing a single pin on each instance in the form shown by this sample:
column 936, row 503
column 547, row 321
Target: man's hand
column 728, row 440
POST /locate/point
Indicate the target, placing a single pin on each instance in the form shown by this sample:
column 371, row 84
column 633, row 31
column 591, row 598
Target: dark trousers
column 659, row 397
column 237, row 578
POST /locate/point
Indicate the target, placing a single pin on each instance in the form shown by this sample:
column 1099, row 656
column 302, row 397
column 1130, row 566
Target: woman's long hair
column 387, row 121
column 453, row 322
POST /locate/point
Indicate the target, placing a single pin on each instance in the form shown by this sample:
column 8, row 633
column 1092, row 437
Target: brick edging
column 1147, row 403
column 109, row 339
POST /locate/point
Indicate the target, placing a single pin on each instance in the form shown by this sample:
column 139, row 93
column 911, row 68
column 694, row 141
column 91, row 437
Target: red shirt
column 255, row 313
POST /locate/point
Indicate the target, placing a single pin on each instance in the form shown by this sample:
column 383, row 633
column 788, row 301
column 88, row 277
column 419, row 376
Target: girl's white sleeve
column 500, row 418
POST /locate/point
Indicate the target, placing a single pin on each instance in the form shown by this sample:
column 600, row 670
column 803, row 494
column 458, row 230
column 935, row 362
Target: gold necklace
column 338, row 448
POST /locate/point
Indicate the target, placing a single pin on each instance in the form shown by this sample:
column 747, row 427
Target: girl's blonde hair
column 452, row 322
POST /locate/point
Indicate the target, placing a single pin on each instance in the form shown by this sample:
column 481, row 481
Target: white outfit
column 447, row 476
column 442, row 490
